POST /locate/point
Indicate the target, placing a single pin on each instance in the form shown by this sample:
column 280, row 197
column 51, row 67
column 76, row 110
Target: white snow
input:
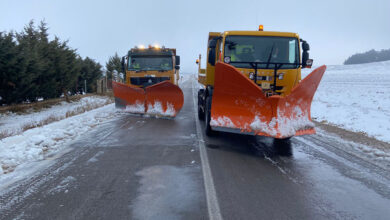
column 356, row 98
column 12, row 123
column 157, row 109
column 285, row 126
column 138, row 107
column 64, row 185
column 260, row 125
column 222, row 122
column 34, row 144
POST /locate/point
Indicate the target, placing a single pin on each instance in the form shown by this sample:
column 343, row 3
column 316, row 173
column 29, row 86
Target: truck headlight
column 251, row 75
column 281, row 75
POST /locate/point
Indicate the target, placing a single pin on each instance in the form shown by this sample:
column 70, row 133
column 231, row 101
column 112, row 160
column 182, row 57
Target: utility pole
column 85, row 86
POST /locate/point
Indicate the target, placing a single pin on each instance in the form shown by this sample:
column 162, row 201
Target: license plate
column 265, row 85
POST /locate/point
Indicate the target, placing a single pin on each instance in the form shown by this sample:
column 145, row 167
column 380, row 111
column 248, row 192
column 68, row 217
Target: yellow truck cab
column 258, row 55
column 148, row 66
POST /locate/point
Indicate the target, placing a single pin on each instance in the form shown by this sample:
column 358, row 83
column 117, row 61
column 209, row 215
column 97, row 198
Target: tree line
column 368, row 57
column 32, row 66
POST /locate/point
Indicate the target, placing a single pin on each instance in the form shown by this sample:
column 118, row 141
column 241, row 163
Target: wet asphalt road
column 145, row 168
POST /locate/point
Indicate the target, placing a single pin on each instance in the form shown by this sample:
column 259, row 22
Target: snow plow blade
column 239, row 105
column 162, row 99
column 129, row 97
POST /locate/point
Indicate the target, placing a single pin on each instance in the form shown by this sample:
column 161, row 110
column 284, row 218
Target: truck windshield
column 150, row 63
column 247, row 49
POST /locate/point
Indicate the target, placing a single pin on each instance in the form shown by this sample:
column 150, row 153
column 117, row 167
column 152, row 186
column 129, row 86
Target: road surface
column 134, row 167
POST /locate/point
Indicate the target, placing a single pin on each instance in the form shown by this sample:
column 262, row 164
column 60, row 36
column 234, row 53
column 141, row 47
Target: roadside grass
column 4, row 134
column 88, row 106
column 38, row 106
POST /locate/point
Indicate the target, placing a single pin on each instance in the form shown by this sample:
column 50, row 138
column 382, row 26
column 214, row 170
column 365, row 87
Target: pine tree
column 113, row 64
column 28, row 42
column 46, row 79
column 32, row 66
column 11, row 69
column 67, row 68
column 90, row 71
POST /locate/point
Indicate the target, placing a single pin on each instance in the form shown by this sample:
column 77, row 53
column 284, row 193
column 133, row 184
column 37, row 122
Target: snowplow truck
column 151, row 82
column 252, row 84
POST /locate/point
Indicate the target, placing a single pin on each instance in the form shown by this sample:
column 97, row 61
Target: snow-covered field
column 356, row 98
column 33, row 144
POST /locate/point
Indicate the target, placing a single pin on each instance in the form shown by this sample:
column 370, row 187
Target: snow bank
column 12, row 123
column 356, row 98
column 33, row 144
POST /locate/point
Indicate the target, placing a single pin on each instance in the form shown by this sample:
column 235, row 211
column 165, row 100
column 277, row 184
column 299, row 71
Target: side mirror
column 212, row 46
column 306, row 62
column 177, row 60
column 211, row 59
column 177, row 67
column 213, row 42
column 305, row 46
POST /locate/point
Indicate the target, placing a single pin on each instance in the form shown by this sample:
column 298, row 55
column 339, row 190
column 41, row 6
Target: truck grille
column 147, row 81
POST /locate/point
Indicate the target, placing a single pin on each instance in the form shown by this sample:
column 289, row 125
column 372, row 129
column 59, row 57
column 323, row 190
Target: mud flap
column 162, row 99
column 239, row 105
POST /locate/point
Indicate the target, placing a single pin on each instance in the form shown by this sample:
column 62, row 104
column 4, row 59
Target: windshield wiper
column 270, row 55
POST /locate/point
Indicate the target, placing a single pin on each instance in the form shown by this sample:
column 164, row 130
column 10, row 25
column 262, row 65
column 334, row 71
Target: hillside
column 368, row 57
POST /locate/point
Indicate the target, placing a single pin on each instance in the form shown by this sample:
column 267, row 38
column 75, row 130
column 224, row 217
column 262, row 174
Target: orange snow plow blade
column 239, row 105
column 162, row 99
column 129, row 97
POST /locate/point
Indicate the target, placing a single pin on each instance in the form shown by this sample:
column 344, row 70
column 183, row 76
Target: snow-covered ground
column 356, row 98
column 12, row 123
column 33, row 144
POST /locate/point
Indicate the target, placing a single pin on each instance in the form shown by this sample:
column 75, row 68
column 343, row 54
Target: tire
column 283, row 147
column 208, row 130
column 201, row 114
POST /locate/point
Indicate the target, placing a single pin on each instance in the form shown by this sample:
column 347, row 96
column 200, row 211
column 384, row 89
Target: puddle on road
column 165, row 192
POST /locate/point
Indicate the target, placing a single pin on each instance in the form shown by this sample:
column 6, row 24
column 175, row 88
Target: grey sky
column 335, row 29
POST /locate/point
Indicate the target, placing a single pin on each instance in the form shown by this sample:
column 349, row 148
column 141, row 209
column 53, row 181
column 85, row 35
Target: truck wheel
column 201, row 113
column 208, row 130
column 282, row 147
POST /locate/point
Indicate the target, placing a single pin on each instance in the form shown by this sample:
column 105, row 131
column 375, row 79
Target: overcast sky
column 335, row 29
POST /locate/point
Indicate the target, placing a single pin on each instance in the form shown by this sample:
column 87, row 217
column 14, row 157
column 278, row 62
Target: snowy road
column 145, row 168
